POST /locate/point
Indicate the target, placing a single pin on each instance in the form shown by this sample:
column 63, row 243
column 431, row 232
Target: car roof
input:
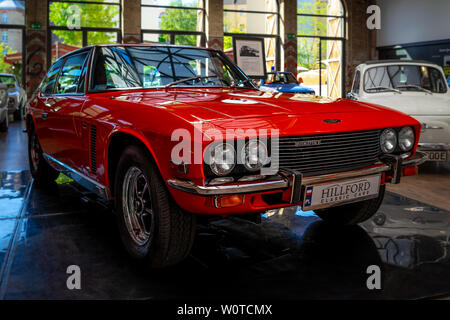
column 87, row 48
column 397, row 61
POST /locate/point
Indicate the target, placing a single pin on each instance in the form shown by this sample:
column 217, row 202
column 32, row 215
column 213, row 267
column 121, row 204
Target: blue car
column 284, row 82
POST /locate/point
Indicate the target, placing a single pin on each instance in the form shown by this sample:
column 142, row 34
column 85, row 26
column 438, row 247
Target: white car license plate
column 437, row 155
column 330, row 194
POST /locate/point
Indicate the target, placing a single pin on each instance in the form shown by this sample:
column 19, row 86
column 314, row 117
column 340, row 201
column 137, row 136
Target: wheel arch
column 29, row 122
column 117, row 142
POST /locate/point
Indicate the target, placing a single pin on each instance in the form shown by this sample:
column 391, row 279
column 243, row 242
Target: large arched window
column 253, row 18
column 173, row 21
column 12, row 32
column 321, row 34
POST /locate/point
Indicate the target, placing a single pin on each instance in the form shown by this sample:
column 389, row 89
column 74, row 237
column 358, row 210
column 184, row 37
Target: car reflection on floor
column 290, row 255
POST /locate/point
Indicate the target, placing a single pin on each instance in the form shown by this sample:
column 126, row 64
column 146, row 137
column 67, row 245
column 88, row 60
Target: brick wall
column 361, row 42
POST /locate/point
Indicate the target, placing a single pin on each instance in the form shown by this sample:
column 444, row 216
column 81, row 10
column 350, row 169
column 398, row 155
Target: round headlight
column 254, row 155
column 406, row 138
column 388, row 140
column 222, row 159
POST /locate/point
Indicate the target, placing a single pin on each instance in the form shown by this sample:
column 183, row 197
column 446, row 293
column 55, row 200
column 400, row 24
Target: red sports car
column 167, row 133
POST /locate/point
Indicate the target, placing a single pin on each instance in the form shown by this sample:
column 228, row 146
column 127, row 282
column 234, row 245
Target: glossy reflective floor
column 291, row 255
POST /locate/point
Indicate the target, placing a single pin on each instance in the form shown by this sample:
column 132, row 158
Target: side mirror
column 351, row 96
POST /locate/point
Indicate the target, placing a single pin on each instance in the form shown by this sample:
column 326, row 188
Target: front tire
column 152, row 227
column 41, row 171
column 352, row 213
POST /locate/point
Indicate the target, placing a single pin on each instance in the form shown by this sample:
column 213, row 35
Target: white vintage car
column 417, row 88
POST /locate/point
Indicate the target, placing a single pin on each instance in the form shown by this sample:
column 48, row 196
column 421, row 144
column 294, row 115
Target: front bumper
column 391, row 165
column 433, row 147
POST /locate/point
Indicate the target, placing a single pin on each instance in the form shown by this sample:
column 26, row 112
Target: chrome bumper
column 285, row 180
column 433, row 147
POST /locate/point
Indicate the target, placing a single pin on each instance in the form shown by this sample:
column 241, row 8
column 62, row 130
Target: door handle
column 44, row 115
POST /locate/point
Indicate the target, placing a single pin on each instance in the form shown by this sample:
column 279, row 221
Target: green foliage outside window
column 181, row 20
column 90, row 15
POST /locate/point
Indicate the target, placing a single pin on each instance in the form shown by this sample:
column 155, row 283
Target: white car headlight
column 254, row 155
column 406, row 138
column 388, row 140
column 2, row 94
column 222, row 159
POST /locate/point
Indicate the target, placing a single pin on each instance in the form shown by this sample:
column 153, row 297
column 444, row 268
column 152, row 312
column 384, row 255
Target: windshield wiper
column 384, row 88
column 189, row 79
column 415, row 86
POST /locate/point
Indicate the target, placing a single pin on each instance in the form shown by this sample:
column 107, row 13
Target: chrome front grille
column 336, row 152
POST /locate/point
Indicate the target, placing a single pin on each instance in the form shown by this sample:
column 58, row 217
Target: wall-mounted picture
column 249, row 53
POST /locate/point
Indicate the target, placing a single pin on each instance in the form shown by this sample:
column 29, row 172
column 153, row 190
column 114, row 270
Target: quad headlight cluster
column 391, row 139
column 223, row 158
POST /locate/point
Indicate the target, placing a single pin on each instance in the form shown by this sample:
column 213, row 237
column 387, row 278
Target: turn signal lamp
column 228, row 201
column 410, row 171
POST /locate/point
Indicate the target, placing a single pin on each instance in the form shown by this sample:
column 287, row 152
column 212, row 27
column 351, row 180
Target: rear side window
column 49, row 83
column 69, row 80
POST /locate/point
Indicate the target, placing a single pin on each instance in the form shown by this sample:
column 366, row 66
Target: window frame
column 21, row 27
column 173, row 33
column 265, row 36
column 342, row 39
column 84, row 30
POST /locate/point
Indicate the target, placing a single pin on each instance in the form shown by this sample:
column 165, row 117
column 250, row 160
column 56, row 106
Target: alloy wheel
column 137, row 206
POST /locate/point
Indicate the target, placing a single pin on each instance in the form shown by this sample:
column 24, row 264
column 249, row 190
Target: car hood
column 414, row 103
column 238, row 108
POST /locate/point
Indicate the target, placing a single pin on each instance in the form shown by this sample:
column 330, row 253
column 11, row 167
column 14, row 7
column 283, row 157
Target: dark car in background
column 17, row 97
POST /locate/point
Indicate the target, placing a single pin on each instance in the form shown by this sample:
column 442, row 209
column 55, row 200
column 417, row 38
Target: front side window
column 404, row 78
column 356, row 82
column 49, row 83
column 69, row 79
column 150, row 67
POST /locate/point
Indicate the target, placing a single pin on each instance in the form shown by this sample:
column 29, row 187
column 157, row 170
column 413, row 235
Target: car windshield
column 7, row 80
column 396, row 78
column 281, row 78
column 154, row 66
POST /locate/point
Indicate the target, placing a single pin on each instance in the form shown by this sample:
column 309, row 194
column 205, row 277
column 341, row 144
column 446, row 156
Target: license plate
column 437, row 155
column 330, row 194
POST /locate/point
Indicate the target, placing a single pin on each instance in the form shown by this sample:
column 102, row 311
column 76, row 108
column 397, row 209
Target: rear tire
column 41, row 171
column 151, row 225
column 352, row 213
